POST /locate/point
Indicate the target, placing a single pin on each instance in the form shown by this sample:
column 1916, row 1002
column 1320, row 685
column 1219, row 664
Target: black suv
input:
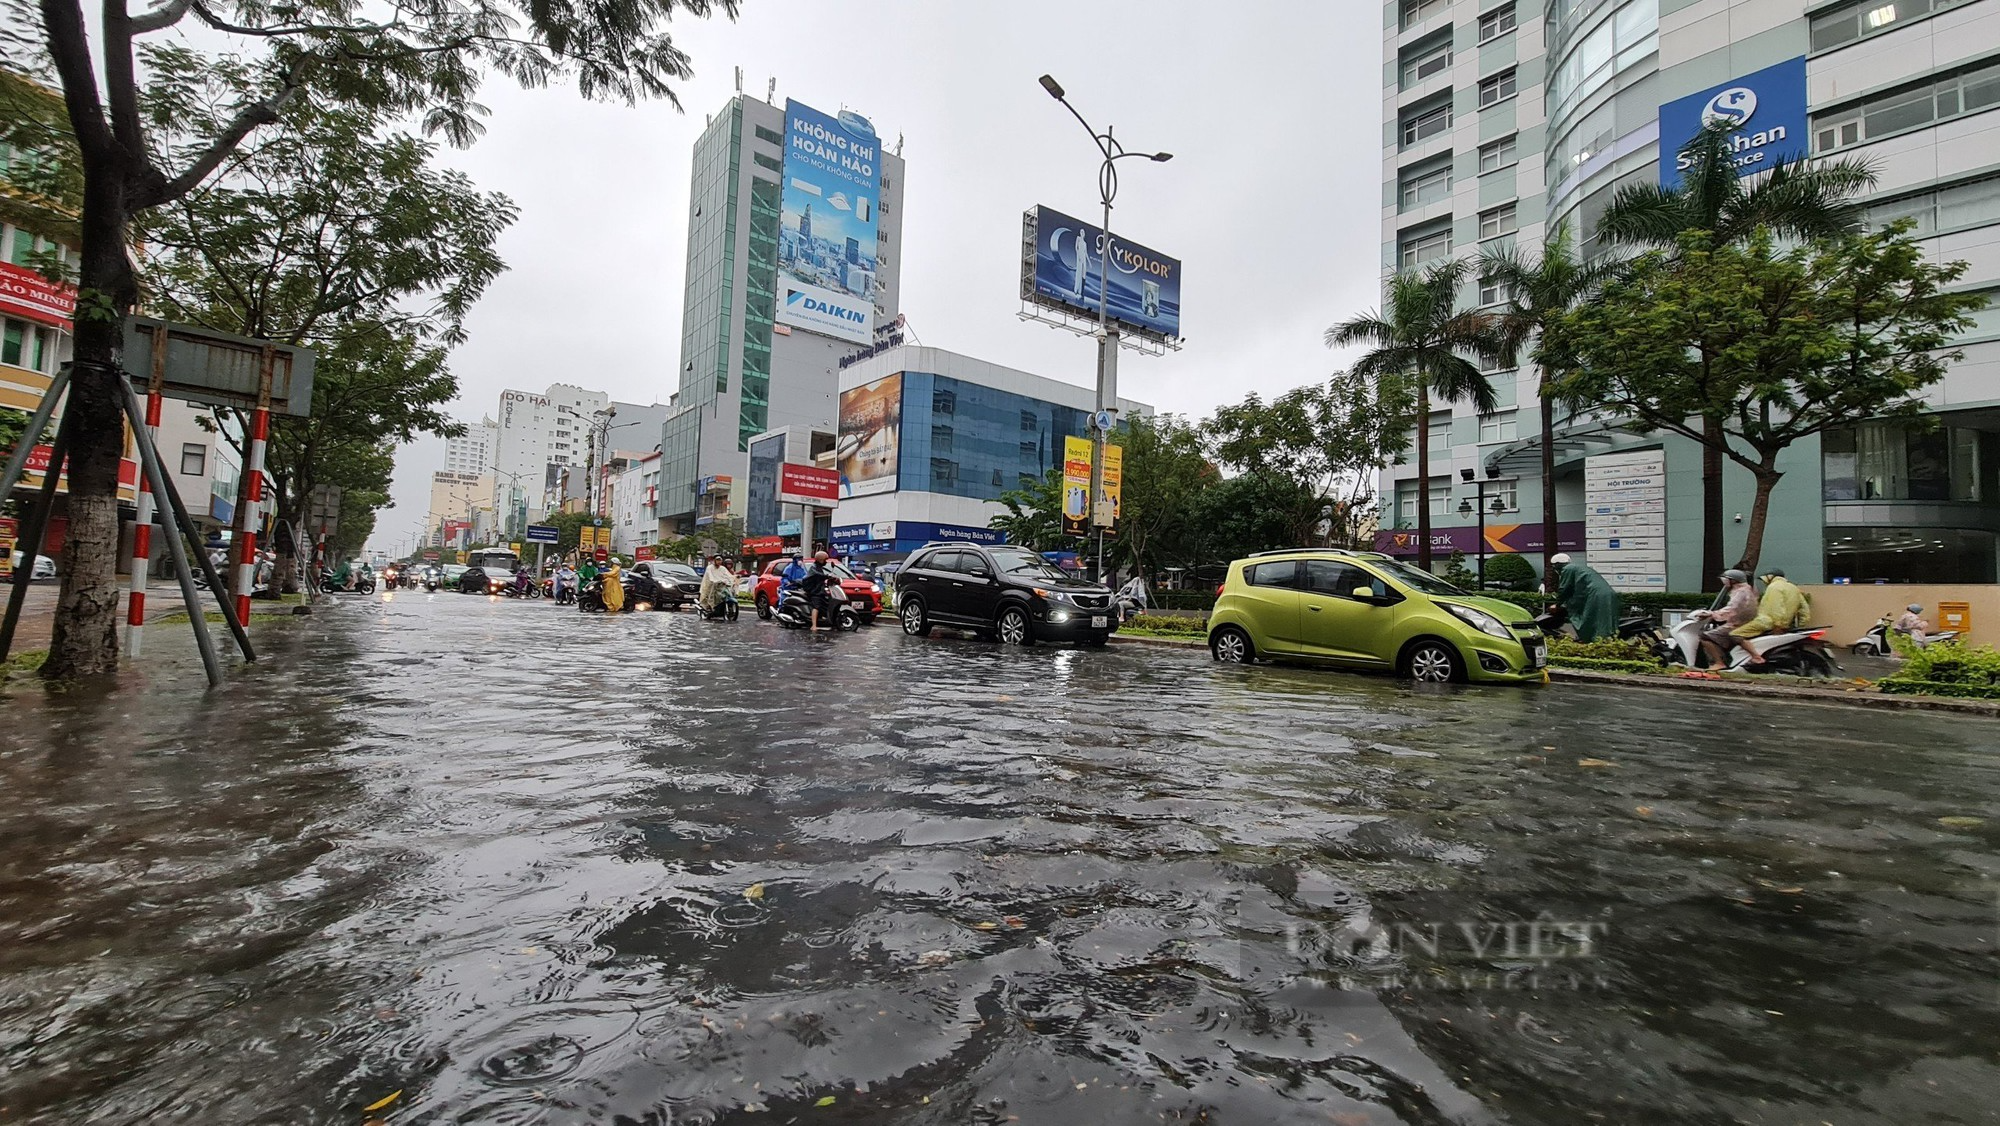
column 1003, row 592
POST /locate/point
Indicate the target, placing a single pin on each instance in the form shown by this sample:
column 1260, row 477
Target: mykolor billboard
column 871, row 428
column 1068, row 267
column 1766, row 107
column 1076, row 485
column 826, row 238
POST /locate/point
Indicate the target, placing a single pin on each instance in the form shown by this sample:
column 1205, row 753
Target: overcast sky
column 1271, row 108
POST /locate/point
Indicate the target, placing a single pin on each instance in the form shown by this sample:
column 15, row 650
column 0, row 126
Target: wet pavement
column 523, row 865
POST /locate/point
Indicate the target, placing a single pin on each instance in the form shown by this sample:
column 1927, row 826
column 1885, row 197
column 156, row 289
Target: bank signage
column 25, row 293
column 1767, row 109
column 1500, row 539
column 826, row 229
column 893, row 535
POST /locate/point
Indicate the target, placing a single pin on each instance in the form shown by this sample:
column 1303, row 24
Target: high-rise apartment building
column 473, row 451
column 794, row 243
column 1502, row 119
column 537, row 436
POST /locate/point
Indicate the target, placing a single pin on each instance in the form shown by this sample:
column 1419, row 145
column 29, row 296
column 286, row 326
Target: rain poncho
column 1779, row 609
column 1591, row 603
column 614, row 590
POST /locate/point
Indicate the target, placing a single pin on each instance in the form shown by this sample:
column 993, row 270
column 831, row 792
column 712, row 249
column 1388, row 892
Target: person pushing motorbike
column 814, row 586
column 1589, row 600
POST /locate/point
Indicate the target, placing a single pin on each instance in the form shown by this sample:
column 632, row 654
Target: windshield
column 1017, row 562
column 677, row 570
column 1420, row 580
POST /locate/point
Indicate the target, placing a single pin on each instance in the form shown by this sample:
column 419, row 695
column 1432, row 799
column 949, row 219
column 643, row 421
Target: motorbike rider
column 1134, row 592
column 1780, row 609
column 614, row 588
column 716, row 581
column 1589, row 600
column 524, row 582
column 565, row 580
column 793, row 574
column 814, row 585
column 1912, row 624
column 1737, row 605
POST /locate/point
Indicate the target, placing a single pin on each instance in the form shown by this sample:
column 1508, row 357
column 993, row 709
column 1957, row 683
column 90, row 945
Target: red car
column 860, row 592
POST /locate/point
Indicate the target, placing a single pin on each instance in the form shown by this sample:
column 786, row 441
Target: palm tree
column 1541, row 292
column 1798, row 198
column 1421, row 335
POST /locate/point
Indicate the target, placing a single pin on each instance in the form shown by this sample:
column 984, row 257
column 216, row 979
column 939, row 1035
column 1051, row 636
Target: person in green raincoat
column 1590, row 602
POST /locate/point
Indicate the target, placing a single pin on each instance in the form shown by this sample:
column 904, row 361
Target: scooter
column 724, row 610
column 519, row 589
column 1875, row 643
column 1797, row 652
column 795, row 613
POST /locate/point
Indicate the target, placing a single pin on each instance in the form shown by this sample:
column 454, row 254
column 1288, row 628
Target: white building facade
column 536, row 435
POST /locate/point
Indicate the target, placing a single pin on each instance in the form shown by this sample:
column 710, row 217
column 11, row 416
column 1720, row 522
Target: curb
column 1800, row 694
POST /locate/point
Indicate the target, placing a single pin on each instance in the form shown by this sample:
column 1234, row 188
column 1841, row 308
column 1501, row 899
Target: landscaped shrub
column 1510, row 570
column 1184, row 599
column 1603, row 649
column 1156, row 623
column 1650, row 603
column 1948, row 669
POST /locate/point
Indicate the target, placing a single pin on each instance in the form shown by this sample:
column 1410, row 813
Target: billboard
column 1114, row 487
column 871, row 435
column 1768, row 107
column 1068, row 261
column 1076, row 484
column 809, row 485
column 826, row 229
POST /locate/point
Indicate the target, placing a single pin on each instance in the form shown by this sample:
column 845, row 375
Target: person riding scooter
column 1737, row 605
column 524, row 582
column 1912, row 624
column 1780, row 609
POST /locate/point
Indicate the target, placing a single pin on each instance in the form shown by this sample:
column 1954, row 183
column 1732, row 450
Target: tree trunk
column 1760, row 505
column 85, row 638
column 1549, row 546
column 1423, row 475
column 1712, row 439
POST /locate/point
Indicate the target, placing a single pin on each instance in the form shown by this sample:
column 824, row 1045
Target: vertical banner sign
column 1109, row 505
column 1076, row 485
column 826, row 232
column 1625, row 518
column 9, row 532
column 871, row 430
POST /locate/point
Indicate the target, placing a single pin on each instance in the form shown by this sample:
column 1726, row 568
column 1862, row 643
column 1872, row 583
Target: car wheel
column 1014, row 628
column 1096, row 642
column 915, row 623
column 1432, row 662
column 1231, row 646
column 763, row 607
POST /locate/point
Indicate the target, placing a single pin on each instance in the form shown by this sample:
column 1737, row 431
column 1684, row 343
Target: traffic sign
column 543, row 533
column 603, row 555
column 431, row 556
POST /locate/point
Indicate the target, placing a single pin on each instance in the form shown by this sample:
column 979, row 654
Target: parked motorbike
column 1875, row 643
column 1797, row 652
column 795, row 613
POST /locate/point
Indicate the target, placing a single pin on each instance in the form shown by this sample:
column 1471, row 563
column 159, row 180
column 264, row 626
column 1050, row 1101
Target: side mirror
column 1365, row 593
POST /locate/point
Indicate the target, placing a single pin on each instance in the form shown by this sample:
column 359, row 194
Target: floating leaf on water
column 1015, row 921
column 987, row 926
column 756, row 891
column 1962, row 822
column 385, row 1100
column 824, row 1100
column 1594, row 762
column 1644, row 810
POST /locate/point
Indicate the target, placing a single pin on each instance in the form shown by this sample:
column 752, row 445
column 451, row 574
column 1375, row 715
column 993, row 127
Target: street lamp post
column 1466, row 507
column 1106, row 416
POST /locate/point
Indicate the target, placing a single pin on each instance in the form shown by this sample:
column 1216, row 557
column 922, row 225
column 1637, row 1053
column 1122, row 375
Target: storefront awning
column 1523, row 458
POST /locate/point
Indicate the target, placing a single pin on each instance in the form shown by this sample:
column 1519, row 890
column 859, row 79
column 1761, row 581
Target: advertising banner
column 791, row 527
column 826, row 232
column 763, row 545
column 1625, row 518
column 38, row 464
column 808, row 484
column 1076, row 485
column 543, row 533
column 9, row 533
column 643, row 553
column 25, row 293
column 1065, row 273
column 1768, row 108
column 1108, row 510
column 871, row 429
column 433, row 555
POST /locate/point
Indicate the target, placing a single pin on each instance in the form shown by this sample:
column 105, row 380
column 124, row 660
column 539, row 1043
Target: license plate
column 1541, row 655
column 1099, row 621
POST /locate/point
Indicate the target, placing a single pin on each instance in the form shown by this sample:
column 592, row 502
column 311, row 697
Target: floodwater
column 504, row 863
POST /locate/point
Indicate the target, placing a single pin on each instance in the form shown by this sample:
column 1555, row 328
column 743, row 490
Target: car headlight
column 1480, row 620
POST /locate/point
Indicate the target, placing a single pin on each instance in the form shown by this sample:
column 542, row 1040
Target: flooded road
column 527, row 866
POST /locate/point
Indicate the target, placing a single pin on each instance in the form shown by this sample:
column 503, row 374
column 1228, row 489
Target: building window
column 1426, row 60
column 1030, row 451
column 194, row 459
column 1426, row 184
column 1498, row 427
column 1495, row 155
column 1440, row 432
column 1496, row 23
column 1494, row 291
column 1971, row 203
column 1613, row 45
column 1497, row 221
column 770, row 137
column 1952, row 95
column 1406, row 500
column 1423, row 124
column 944, row 402
column 996, row 478
column 1029, row 421
column 1849, row 22
column 941, row 439
column 1417, row 11
column 770, row 162
column 1424, row 244
column 944, row 471
column 1497, row 89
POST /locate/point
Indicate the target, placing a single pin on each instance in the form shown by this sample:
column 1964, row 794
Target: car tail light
column 1218, row 588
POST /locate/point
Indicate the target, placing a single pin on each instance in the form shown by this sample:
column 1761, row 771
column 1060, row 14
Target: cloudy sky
column 1270, row 107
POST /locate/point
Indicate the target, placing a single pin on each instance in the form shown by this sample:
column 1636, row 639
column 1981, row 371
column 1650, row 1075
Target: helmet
column 1735, row 576
column 1774, row 572
column 1914, row 608
column 1559, row 558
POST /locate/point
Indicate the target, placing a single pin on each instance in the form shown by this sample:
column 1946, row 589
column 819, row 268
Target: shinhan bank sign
column 1766, row 107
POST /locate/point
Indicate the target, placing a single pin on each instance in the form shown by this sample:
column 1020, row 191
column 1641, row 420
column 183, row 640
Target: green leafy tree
column 1249, row 513
column 1164, row 474
column 1034, row 515
column 1778, row 345
column 1421, row 335
column 1541, row 291
column 422, row 60
column 1802, row 198
column 1510, row 571
column 334, row 231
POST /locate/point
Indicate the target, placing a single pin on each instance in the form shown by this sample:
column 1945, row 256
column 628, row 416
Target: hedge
column 1184, row 599
column 1152, row 623
column 1947, row 669
column 1650, row 602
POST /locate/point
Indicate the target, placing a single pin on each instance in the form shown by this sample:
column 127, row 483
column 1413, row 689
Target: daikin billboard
column 826, row 236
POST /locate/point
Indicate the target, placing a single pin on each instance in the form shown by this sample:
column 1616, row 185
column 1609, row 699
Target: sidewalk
column 163, row 597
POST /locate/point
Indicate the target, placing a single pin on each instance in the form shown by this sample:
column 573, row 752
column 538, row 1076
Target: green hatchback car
column 1363, row 610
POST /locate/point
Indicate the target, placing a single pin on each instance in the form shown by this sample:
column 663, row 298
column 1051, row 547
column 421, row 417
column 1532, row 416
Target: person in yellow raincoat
column 614, row 588
column 1779, row 610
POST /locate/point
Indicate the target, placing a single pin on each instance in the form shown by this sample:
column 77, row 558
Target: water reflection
column 526, row 865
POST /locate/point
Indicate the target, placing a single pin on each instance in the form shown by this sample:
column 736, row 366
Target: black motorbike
column 641, row 593
column 512, row 588
column 724, row 610
column 794, row 612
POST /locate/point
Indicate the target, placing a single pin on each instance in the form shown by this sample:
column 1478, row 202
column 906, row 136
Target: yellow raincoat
column 614, row 589
column 1779, row 609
